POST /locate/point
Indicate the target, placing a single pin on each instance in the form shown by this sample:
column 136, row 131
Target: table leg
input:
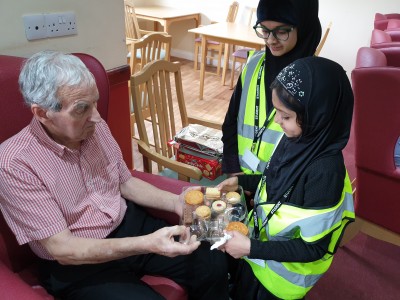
column 226, row 62
column 203, row 64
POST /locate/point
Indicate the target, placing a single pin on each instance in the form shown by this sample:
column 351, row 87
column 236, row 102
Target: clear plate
column 223, row 211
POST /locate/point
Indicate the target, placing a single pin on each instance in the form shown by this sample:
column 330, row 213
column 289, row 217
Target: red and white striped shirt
column 46, row 187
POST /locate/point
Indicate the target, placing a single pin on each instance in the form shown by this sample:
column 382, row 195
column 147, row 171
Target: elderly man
column 65, row 190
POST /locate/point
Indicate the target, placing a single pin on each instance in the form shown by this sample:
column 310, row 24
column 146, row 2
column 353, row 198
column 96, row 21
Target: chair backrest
column 132, row 29
column 380, row 36
column 393, row 24
column 14, row 116
column 323, row 40
column 163, row 81
column 232, row 12
column 150, row 47
column 379, row 16
column 376, row 88
column 381, row 21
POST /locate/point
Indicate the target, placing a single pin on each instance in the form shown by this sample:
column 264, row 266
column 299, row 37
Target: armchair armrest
column 204, row 122
column 165, row 183
column 385, row 45
column 144, row 32
column 13, row 287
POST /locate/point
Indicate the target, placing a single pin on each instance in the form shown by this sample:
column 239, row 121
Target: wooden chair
column 150, row 47
column 163, row 83
column 323, row 40
column 213, row 45
column 132, row 29
column 240, row 55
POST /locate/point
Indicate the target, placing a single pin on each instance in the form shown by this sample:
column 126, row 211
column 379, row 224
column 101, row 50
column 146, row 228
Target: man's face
column 76, row 120
column 279, row 47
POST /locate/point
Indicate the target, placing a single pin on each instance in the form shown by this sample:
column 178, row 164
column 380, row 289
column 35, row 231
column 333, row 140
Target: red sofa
column 18, row 276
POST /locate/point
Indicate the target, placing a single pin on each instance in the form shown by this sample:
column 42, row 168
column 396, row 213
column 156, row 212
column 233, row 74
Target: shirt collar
column 41, row 134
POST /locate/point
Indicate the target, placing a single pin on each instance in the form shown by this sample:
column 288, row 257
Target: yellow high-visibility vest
column 264, row 147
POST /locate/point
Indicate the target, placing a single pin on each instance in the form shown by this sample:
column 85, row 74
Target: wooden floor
column 213, row 106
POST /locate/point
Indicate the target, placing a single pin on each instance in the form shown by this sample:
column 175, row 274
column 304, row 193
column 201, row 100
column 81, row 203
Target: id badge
column 251, row 160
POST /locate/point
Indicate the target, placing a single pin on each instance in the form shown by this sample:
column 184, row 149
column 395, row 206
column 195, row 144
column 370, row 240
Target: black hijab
column 324, row 90
column 303, row 14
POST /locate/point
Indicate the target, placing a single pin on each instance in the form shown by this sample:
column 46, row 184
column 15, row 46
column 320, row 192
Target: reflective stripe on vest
column 272, row 133
column 292, row 280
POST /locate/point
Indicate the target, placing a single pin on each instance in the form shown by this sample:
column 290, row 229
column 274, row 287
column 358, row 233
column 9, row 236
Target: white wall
column 100, row 26
column 352, row 23
column 100, row 23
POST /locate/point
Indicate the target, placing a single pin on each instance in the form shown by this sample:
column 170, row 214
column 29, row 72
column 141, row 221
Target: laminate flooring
column 213, row 106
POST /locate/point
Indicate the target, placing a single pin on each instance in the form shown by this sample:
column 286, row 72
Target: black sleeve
column 249, row 182
column 295, row 250
column 230, row 159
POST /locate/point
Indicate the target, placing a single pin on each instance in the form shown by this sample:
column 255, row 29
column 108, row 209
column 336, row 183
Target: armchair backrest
column 377, row 128
column 381, row 21
column 14, row 116
column 385, row 39
column 393, row 24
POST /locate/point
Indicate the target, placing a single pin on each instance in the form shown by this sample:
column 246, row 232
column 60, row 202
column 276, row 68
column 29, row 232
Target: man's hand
column 178, row 206
column 164, row 241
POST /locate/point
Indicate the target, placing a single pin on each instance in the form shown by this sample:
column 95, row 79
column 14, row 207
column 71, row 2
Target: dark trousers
column 203, row 273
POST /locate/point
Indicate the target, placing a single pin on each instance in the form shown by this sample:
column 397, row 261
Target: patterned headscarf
column 323, row 88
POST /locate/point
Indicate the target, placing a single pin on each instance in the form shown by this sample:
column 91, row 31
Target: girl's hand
column 238, row 246
column 230, row 184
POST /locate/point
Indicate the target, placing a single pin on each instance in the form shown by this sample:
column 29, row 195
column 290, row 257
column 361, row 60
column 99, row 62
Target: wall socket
column 42, row 26
column 60, row 24
column 35, row 27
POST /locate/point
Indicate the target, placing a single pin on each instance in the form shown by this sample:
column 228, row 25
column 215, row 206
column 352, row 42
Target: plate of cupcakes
column 208, row 211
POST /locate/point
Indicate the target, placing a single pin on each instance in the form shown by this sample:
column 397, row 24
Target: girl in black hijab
column 303, row 199
column 302, row 17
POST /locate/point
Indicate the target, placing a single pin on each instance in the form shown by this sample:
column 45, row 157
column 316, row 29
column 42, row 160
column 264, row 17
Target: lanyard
column 274, row 208
column 258, row 132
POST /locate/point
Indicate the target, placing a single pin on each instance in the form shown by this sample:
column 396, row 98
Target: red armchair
column 382, row 39
column 18, row 276
column 377, row 128
column 381, row 20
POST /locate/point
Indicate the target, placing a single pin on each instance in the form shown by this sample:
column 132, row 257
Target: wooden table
column 166, row 15
column 230, row 34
